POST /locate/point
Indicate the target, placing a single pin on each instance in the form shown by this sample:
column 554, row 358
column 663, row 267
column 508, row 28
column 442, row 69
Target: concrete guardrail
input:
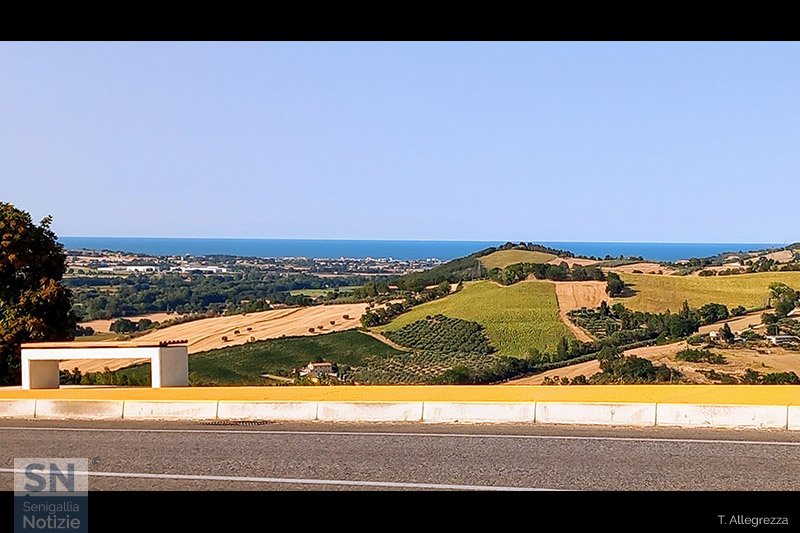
column 577, row 413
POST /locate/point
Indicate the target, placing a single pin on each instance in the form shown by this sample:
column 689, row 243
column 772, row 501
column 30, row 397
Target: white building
column 317, row 370
column 128, row 268
column 782, row 339
column 203, row 269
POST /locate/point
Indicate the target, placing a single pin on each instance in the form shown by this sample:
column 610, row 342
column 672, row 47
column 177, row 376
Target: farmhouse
column 778, row 340
column 317, row 370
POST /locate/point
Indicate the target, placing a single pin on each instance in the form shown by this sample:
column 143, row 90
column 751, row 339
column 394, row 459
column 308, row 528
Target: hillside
column 206, row 334
column 517, row 318
column 738, row 360
column 472, row 267
column 658, row 293
column 503, row 258
column 244, row 364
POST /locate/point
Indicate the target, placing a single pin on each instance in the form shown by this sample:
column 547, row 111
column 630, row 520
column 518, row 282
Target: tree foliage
column 561, row 272
column 34, row 305
column 614, row 285
column 713, row 312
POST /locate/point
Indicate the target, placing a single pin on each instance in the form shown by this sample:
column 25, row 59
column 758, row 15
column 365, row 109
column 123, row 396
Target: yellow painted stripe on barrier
column 695, row 394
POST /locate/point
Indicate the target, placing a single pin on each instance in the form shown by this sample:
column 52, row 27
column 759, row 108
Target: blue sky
column 686, row 142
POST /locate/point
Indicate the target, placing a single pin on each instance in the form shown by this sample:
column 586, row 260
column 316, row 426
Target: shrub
column 781, row 378
column 700, row 356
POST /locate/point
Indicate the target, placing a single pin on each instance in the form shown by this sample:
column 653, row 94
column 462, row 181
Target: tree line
column 111, row 297
column 562, row 272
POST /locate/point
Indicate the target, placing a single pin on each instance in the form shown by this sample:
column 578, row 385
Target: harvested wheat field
column 503, row 258
column 207, row 333
column 659, row 293
column 103, row 326
column 739, row 359
column 719, row 268
column 574, row 295
column 98, row 365
column 572, row 261
column 644, row 268
column 783, row 256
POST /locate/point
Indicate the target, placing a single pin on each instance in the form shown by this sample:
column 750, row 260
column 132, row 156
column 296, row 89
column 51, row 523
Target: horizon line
column 485, row 241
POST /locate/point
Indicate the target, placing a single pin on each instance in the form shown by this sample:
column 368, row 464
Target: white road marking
column 410, row 434
column 298, row 481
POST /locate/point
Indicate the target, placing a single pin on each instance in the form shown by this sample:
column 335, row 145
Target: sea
column 407, row 250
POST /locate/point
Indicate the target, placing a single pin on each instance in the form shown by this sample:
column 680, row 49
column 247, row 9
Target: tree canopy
column 34, row 305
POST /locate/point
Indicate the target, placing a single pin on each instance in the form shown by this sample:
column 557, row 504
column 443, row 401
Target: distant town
column 86, row 262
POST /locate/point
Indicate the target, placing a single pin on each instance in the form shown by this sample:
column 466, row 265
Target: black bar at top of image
column 402, row 22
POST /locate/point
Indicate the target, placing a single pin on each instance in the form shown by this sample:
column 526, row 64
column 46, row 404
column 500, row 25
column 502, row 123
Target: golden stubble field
column 503, row 258
column 658, row 293
column 207, row 333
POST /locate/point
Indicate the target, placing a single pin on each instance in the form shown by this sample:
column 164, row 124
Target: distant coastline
column 443, row 250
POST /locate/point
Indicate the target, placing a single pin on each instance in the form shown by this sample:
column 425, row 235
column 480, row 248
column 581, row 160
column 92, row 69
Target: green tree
column 34, row 305
column 738, row 311
column 607, row 353
column 614, row 285
column 144, row 324
column 726, row 333
column 712, row 312
column 122, row 325
column 786, row 298
column 562, row 349
column 751, row 377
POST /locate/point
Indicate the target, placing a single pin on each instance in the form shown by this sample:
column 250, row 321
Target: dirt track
column 574, row 295
column 736, row 324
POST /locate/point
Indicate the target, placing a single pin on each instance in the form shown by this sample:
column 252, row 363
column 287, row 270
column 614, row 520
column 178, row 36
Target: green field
column 313, row 293
column 244, row 364
column 659, row 293
column 517, row 318
column 503, row 258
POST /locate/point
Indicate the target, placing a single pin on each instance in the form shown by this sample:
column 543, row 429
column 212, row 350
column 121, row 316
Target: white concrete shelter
column 169, row 361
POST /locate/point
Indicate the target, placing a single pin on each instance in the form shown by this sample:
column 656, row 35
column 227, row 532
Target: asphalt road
column 301, row 456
